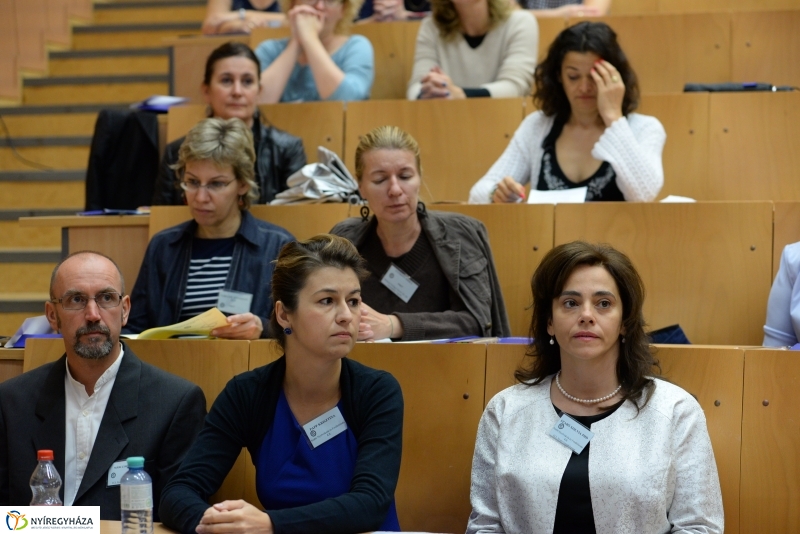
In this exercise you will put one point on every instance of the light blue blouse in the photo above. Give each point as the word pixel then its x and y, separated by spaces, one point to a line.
pixel 355 58
pixel 783 309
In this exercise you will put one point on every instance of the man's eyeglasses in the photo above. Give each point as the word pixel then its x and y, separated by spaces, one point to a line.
pixel 78 301
pixel 193 186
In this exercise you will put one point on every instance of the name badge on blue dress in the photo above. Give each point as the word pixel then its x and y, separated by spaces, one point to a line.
pixel 325 427
pixel 571 433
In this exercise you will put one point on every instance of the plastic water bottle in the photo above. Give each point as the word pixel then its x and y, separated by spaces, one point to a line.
pixel 136 498
pixel 45 481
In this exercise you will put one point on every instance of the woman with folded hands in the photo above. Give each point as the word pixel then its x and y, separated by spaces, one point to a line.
pixel 323 431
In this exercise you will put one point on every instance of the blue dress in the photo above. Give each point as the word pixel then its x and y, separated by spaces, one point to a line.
pixel 289 473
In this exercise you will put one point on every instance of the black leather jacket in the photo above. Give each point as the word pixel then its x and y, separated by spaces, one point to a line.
pixel 278 156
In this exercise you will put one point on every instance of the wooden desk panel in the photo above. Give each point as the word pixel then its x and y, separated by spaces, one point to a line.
pixel 754 147
pixel 443 394
pixel 699 262
pixel 393 44
pixel 302 221
pixel 459 139
pixel 669 50
pixel 765 46
pixel 520 235
pixel 685 157
pixel 770 495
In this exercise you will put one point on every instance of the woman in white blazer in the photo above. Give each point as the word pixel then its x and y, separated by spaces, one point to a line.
pixel 647 468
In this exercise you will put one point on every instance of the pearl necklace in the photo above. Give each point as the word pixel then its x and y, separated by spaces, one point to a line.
pixel 585 401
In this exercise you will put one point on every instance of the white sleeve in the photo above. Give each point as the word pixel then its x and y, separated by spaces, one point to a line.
pixel 485 516
pixel 515 75
pixel 779 330
pixel 634 155
pixel 426 56
pixel 697 502
pixel 516 161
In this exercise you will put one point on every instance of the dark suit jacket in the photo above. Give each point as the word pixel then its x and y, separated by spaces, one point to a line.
pixel 150 413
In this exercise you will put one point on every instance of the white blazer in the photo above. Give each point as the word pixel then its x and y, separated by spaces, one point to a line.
pixel 648 473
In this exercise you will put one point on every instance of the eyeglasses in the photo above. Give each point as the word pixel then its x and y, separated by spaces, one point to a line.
pixel 328 3
pixel 78 301
pixel 213 188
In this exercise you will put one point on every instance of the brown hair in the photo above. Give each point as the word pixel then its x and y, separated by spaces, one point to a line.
pixel 385 137
pixel 597 37
pixel 298 260
pixel 225 142
pixel 446 18
pixel 636 361
pixel 226 50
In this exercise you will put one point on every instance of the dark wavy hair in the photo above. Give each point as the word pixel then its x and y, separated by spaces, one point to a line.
pixel 298 260
pixel 224 51
pixel 636 363
pixel 597 37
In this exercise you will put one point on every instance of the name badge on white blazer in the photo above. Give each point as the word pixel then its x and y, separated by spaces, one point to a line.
pixel 571 433
pixel 399 283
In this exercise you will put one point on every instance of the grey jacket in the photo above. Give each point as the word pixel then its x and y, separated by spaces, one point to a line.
pixel 462 249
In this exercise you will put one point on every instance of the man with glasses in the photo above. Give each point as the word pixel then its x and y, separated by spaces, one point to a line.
pixel 98 404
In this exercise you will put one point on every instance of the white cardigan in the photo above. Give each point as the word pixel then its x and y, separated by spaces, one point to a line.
pixel 632 145
pixel 648 473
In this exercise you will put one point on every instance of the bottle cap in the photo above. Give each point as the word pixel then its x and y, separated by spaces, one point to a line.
pixel 135 462
pixel 44 455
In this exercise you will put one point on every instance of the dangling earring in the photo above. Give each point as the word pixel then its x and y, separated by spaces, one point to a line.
pixel 241 201
pixel 623 339
pixel 552 341
pixel 209 111
pixel 287 331
pixel 364 213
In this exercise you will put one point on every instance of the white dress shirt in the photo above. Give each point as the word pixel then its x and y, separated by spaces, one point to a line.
pixel 83 417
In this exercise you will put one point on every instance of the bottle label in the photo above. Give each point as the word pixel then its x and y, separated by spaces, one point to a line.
pixel 138 497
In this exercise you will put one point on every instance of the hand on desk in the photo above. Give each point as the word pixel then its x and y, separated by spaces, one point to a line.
pixel 240 326
pixel 375 325
pixel 234 516
pixel 508 190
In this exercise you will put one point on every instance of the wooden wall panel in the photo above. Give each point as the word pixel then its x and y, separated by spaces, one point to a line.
pixel 786 230
pixel 698 261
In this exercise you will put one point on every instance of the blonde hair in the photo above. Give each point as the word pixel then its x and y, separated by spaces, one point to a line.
pixel 446 18
pixel 350 9
pixel 385 137
pixel 225 142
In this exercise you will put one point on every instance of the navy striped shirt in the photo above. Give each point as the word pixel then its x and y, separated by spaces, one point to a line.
pixel 208 271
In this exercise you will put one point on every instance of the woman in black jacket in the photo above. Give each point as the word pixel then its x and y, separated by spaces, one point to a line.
pixel 230 86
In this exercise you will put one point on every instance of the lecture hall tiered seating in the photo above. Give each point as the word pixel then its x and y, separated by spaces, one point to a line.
pixel 707 266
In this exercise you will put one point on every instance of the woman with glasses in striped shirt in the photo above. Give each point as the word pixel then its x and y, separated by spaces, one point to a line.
pixel 223 248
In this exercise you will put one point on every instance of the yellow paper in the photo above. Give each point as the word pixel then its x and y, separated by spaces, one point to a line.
pixel 200 325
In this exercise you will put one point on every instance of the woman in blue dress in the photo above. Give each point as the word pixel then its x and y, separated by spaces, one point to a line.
pixel 324 432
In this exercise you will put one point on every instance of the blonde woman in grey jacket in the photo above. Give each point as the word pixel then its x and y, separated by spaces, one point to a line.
pixel 589 441
pixel 432 275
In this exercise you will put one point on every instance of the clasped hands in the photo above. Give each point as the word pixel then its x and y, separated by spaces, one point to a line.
pixel 437 84
pixel 305 21
pixel 234 516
